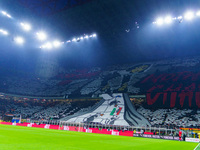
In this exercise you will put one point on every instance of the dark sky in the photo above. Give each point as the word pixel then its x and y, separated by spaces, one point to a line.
pixel 109 19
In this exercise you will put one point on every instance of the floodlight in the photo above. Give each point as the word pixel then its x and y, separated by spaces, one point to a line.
pixel 9 16
pixel 160 21
pixel 168 19
pixel 3 32
pixel 6 14
pixel 68 41
pixel 81 38
pixel 19 40
pixel 43 46
pixel 56 43
pixel 91 35
pixel 48 45
pixel 3 12
pixel 179 17
pixel 189 15
pixel 74 40
pixel 86 37
pixel 41 36
pixel 198 13
pixel 94 35
pixel 26 26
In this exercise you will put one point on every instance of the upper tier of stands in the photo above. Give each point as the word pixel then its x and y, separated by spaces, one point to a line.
pixel 153 77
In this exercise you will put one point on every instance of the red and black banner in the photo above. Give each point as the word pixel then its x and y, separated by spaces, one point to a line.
pixel 181 89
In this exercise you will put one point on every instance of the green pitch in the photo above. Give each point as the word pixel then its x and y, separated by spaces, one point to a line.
pixel 24 138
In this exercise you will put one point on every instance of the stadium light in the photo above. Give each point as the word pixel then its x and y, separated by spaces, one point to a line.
pixel 74 39
pixel 68 41
pixel 198 13
pixel 174 18
pixel 189 15
pixel 6 14
pixel 3 12
pixel 47 46
pixel 26 26
pixel 57 44
pixel 168 19
pixel 41 36
pixel 94 35
pixel 3 32
pixel 9 16
pixel 179 17
pixel 159 21
pixel 86 37
pixel 19 40
pixel 81 38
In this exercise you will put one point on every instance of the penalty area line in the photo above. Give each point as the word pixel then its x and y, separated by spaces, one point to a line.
pixel 196 147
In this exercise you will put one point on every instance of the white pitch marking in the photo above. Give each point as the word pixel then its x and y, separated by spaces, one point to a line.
pixel 196 147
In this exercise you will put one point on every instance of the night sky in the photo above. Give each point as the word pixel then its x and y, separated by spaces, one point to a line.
pixel 108 19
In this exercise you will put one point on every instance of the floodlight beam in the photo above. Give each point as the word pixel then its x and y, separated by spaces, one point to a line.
pixel 19 40
pixel 160 21
pixel 189 15
pixel 41 36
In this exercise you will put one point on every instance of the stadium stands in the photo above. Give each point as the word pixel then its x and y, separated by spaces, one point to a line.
pixel 133 79
pixel 87 112
pixel 170 86
pixel 172 118
pixel 43 110
pixel 114 109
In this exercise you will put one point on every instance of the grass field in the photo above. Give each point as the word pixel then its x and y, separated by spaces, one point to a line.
pixel 24 138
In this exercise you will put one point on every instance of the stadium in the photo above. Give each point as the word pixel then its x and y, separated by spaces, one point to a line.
pixel 99 74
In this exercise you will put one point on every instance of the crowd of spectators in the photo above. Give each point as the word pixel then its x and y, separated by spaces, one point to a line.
pixel 43 110
pixel 88 82
pixel 55 110
pixel 171 118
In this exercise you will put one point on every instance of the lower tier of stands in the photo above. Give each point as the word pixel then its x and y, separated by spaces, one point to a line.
pixel 110 111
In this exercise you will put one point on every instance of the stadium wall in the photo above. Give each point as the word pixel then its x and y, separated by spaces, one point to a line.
pixel 72 128
pixel 96 130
